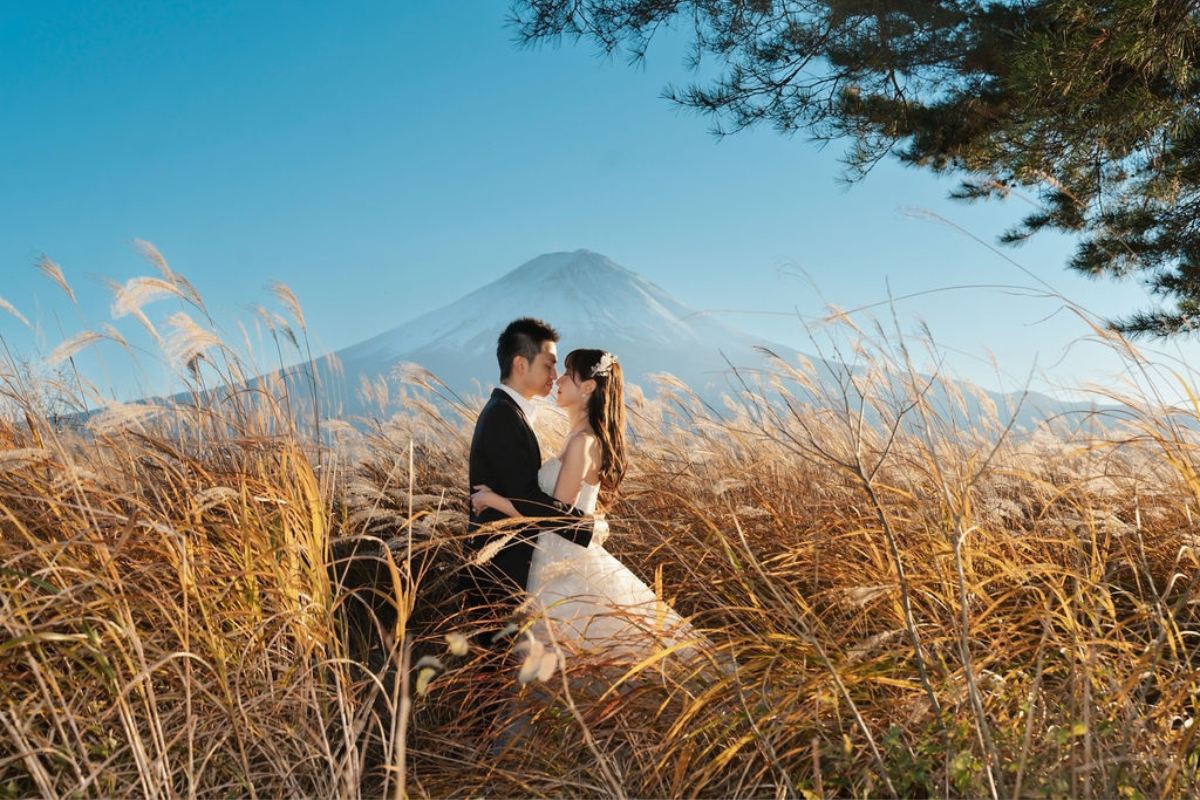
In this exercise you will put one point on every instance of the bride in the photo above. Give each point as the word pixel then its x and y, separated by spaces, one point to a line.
pixel 582 597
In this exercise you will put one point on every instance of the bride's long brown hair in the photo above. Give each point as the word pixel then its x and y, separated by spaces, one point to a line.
pixel 605 410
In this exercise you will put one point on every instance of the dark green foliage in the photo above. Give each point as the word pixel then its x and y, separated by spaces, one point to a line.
pixel 1091 107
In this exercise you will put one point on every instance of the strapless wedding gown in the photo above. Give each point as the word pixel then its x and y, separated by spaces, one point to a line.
pixel 585 599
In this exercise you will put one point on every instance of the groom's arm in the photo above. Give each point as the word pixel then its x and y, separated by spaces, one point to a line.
pixel 512 464
pixel 506 450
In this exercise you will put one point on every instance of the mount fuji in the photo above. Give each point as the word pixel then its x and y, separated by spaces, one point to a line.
pixel 591 301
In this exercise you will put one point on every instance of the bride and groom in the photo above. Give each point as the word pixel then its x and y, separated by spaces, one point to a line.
pixel 551 561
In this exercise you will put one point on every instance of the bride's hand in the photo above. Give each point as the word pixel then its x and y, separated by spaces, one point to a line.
pixel 600 530
pixel 478 503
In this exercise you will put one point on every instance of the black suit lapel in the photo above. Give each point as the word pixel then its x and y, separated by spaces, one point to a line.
pixel 508 398
pixel 529 432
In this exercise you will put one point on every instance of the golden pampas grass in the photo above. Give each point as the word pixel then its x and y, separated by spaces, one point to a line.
pixel 151 254
pixel 212 497
pixel 181 284
pixel 286 327
pixel 138 292
pixel 286 296
pixel 275 323
pixel 116 416
pixel 54 272
pixel 7 306
pixel 119 294
pixel 20 457
pixel 187 340
pixel 69 347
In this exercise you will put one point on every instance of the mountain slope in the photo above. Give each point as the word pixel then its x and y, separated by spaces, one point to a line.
pixel 590 300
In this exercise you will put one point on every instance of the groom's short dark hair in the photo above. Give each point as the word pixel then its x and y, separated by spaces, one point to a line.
pixel 523 337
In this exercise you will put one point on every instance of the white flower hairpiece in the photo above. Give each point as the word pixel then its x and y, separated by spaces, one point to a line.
pixel 604 365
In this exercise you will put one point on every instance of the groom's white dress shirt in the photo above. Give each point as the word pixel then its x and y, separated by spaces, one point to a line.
pixel 527 407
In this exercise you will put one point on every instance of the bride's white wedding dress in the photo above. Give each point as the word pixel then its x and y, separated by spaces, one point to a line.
pixel 585 599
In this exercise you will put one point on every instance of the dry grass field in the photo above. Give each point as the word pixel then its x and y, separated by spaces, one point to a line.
pixel 209 598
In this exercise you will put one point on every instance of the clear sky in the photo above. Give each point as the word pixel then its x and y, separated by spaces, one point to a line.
pixel 384 158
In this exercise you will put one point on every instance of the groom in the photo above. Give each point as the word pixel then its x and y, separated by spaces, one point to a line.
pixel 505 455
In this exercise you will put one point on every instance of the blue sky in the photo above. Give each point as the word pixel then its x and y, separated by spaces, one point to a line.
pixel 384 158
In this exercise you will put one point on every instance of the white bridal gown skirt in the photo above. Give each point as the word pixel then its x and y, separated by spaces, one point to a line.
pixel 585 599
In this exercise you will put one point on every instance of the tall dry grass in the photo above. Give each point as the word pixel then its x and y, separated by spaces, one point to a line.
pixel 208 597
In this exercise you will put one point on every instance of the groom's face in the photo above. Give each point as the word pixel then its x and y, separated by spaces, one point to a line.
pixel 538 378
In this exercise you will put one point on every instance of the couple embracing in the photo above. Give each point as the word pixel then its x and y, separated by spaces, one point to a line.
pixel 552 563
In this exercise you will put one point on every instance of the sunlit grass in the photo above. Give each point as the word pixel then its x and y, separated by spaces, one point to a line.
pixel 221 594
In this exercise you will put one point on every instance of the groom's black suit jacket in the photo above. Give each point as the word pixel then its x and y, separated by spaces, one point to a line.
pixel 505 456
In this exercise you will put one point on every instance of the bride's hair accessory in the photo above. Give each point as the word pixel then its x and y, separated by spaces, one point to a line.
pixel 604 366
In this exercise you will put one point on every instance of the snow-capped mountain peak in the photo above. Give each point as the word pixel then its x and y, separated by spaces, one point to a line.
pixel 575 265
pixel 591 300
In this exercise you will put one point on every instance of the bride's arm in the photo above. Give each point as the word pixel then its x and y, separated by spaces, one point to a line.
pixel 484 497
pixel 580 455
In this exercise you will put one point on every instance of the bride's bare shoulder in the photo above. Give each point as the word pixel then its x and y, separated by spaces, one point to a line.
pixel 584 444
